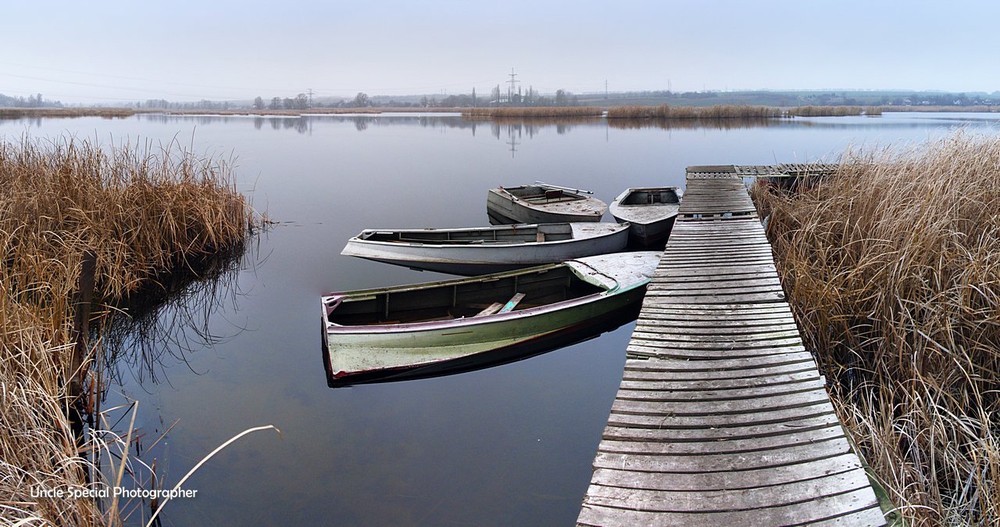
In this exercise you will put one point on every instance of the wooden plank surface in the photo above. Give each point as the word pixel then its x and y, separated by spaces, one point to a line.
pixel 722 417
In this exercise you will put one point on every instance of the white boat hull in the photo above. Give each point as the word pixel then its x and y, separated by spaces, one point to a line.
pixel 488 256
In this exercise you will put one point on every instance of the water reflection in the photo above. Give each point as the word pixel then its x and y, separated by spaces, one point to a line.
pixel 303 124
pixel 690 124
pixel 141 339
pixel 499 357
pixel 161 325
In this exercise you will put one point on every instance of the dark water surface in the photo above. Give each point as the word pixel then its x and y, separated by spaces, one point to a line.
pixel 510 445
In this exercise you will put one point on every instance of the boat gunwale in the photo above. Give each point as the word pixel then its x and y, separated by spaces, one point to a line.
pixel 331 301
pixel 463 322
pixel 617 229
pixel 441 367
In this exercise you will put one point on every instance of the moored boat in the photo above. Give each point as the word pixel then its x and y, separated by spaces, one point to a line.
pixel 542 203
pixel 424 329
pixel 650 212
pixel 480 250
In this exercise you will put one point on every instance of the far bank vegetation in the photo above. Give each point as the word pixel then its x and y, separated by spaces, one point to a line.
pixel 668 112
pixel 733 112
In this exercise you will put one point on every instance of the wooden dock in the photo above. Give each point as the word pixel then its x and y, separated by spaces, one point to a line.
pixel 722 417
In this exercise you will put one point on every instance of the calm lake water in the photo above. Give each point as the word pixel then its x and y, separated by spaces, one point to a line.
pixel 510 445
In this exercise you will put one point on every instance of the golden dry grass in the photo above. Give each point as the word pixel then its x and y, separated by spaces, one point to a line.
pixel 144 212
pixel 892 266
pixel 720 112
pixel 669 112
pixel 832 111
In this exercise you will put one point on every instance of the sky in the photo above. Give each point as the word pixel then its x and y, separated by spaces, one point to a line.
pixel 104 52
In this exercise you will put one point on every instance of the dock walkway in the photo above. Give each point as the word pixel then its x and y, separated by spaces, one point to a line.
pixel 722 417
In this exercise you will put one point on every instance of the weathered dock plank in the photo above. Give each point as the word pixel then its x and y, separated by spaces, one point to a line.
pixel 721 380
pixel 747 479
pixel 722 417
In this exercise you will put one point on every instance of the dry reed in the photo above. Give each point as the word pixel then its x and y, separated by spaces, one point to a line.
pixel 732 111
pixel 668 112
pixel 892 266
pixel 144 213
pixel 832 111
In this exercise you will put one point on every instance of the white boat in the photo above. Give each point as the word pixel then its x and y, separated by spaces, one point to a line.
pixel 480 250
pixel 431 328
pixel 650 212
pixel 542 203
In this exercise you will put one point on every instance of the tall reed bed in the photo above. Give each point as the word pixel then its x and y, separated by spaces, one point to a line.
pixel 832 111
pixel 144 212
pixel 892 266
pixel 532 112
pixel 733 111
pixel 666 111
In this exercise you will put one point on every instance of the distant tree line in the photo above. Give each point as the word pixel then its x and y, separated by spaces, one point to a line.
pixel 464 100
pixel 32 101
pixel 794 98
pixel 531 97
pixel 299 102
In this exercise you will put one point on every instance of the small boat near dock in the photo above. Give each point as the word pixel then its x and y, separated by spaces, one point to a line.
pixel 542 203
pixel 481 250
pixel 650 211
pixel 433 328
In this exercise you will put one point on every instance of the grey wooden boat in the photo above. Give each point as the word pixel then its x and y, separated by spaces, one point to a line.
pixel 480 250
pixel 542 203
pixel 650 212
pixel 430 328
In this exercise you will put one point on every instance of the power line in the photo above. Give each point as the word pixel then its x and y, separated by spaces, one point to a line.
pixel 104 86
pixel 512 82
pixel 120 77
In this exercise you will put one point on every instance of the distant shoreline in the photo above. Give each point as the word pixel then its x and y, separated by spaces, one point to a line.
pixel 15 113
pixel 18 113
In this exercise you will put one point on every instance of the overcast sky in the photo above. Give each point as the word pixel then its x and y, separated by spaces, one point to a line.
pixel 187 50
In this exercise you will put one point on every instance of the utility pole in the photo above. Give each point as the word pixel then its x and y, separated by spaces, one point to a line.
pixel 510 90
pixel 310 92
pixel 605 89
